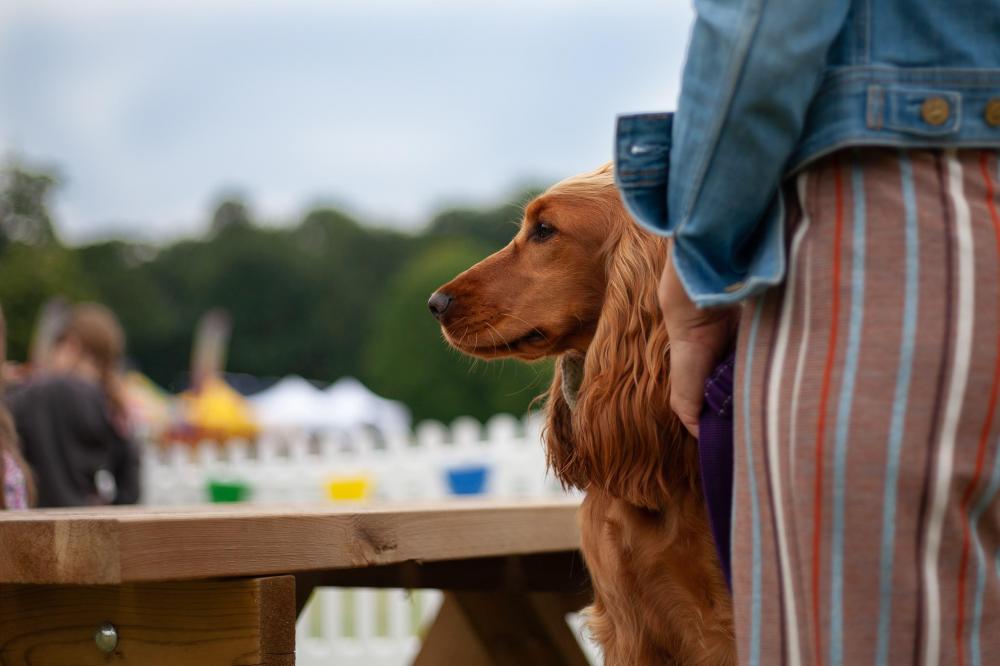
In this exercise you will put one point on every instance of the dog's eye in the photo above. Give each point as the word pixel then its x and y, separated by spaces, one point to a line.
pixel 544 231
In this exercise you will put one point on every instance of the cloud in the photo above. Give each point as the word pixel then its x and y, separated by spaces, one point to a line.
pixel 152 108
pixel 74 9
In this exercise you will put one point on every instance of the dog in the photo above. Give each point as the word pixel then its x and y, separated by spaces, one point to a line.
pixel 578 281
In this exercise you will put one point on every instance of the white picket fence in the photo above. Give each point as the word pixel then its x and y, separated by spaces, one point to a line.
pixel 364 627
pixel 296 466
pixel 361 627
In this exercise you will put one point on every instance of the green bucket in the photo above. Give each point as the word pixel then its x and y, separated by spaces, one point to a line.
pixel 228 491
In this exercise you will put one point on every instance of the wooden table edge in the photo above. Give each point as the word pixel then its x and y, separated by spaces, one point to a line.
pixel 140 545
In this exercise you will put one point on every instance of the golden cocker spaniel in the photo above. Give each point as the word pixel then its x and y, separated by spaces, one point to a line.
pixel 579 281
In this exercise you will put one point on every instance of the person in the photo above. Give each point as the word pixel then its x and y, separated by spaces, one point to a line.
pixel 71 418
pixel 17 488
pixel 830 183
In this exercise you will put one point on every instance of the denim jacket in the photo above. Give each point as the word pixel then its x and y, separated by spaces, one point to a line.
pixel 771 85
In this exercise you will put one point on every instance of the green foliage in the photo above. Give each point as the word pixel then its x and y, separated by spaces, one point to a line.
pixel 494 227
pixel 326 298
pixel 24 214
pixel 351 266
pixel 230 212
pixel 119 274
pixel 405 357
pixel 29 276
pixel 34 267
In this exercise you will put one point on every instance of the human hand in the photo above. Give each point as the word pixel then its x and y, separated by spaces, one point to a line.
pixel 698 340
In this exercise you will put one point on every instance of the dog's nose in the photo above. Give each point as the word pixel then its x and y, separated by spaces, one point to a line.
pixel 438 304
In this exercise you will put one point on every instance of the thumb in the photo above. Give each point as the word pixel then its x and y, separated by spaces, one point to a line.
pixel 690 365
pixel 687 411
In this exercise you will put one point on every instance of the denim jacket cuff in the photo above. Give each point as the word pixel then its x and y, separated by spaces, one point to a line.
pixel 708 286
pixel 642 168
pixel 642 174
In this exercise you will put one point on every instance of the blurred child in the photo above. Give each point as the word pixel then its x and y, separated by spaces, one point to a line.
pixel 13 470
pixel 71 417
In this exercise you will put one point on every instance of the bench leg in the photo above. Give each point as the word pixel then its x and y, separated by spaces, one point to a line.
pixel 239 622
pixel 503 628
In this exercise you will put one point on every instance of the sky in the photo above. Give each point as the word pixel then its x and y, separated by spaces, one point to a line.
pixel 152 110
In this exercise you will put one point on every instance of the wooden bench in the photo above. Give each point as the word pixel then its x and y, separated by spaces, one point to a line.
pixel 223 584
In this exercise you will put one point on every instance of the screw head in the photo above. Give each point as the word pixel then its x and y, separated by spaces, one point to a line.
pixel 106 638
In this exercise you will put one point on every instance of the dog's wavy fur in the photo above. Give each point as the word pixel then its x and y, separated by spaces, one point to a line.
pixel 589 290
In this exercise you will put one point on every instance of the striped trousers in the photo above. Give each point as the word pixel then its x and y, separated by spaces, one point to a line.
pixel 866 517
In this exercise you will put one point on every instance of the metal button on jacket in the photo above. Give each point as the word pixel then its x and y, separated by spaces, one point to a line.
pixel 993 112
pixel 935 110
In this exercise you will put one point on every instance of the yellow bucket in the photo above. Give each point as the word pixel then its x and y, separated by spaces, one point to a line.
pixel 349 488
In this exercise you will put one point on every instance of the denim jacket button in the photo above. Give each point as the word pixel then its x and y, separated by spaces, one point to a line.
pixel 935 111
pixel 993 112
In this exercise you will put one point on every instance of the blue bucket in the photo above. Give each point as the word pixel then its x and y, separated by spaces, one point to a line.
pixel 468 479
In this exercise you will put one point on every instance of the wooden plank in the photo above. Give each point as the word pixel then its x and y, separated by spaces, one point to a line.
pixel 452 640
pixel 503 628
pixel 244 622
pixel 50 551
pixel 550 611
pixel 127 544
pixel 546 572
pixel 543 572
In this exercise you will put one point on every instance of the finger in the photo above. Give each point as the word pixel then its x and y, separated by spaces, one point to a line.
pixel 686 400
pixel 690 366
pixel 686 411
pixel 671 295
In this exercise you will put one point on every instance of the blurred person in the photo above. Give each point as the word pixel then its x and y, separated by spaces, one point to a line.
pixel 14 473
pixel 71 417
pixel 831 178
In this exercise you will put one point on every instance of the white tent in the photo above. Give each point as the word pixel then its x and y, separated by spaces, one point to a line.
pixel 349 403
pixel 291 403
pixel 294 403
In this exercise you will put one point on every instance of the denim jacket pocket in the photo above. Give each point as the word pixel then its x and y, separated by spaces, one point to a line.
pixel 920 111
pixel 642 167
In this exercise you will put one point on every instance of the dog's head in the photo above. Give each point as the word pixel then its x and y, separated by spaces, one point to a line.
pixel 579 280
pixel 542 294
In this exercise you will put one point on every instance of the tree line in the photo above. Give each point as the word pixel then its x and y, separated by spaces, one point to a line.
pixel 323 298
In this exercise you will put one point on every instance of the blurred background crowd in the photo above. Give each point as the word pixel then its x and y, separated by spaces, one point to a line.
pixel 322 323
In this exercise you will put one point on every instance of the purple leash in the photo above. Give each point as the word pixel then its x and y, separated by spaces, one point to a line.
pixel 715 455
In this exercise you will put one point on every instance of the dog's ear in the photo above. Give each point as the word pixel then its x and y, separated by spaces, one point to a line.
pixel 626 438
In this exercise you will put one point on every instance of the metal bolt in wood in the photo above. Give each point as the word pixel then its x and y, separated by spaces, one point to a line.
pixel 106 638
